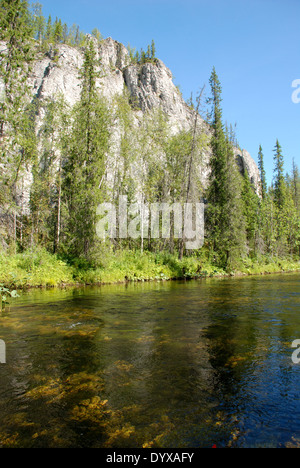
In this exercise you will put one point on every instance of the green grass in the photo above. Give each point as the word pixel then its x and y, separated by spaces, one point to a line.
pixel 34 268
pixel 270 265
pixel 38 268
pixel 133 266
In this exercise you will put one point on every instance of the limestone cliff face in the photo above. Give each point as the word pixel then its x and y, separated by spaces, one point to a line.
pixel 150 86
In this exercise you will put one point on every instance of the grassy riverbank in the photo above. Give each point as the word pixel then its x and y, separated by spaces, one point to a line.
pixel 39 268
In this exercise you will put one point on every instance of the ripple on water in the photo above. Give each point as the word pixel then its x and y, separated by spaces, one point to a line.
pixel 169 365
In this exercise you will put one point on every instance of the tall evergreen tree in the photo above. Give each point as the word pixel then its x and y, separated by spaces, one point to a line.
pixel 279 179
pixel 38 22
pixel 235 237
pixel 58 31
pixel 45 197
pixel 251 207
pixel 77 36
pixel 17 140
pixel 65 35
pixel 262 171
pixel 267 225
pixel 127 152
pixel 153 50
pixel 225 219
pixel 16 32
pixel 85 169
pixel 217 196
pixel 296 185
pixel 49 30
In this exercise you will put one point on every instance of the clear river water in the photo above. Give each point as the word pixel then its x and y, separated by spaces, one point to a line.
pixel 166 364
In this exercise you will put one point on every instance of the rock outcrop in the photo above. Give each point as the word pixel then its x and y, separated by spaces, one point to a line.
pixel 150 86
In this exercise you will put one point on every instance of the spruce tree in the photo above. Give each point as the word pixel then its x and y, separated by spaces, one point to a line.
pixel 285 208
pixel 279 179
pixel 268 225
pixel 234 236
pixel 251 207
pixel 45 198
pixel 217 195
pixel 123 180
pixel 83 186
pixel 58 31
pixel 148 53
pixel 153 50
pixel 38 22
pixel 296 186
pixel 65 35
pixel 218 167
pixel 77 36
pixel 262 171
pixel 49 30
pixel 16 33
pixel 17 140
pixel 225 219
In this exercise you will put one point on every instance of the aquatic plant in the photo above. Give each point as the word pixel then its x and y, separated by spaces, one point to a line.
pixel 6 294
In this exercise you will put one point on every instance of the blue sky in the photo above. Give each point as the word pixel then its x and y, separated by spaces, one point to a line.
pixel 253 44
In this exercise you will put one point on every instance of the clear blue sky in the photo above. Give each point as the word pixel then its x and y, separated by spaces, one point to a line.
pixel 253 44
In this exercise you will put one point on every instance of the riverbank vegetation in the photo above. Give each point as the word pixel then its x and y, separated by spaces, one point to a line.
pixel 39 268
pixel 74 166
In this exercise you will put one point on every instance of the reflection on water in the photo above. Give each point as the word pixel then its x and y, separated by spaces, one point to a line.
pixel 177 364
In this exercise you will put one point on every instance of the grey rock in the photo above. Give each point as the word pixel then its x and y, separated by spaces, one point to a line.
pixel 150 86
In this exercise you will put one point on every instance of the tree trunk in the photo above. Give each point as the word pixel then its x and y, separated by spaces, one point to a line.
pixel 57 240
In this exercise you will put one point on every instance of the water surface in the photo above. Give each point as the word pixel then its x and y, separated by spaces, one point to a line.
pixel 175 364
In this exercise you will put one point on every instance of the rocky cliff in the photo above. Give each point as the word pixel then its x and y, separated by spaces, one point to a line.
pixel 150 86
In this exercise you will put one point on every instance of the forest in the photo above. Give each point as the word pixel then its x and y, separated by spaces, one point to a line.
pixel 248 229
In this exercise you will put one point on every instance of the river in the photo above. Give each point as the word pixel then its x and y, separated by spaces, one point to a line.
pixel 165 364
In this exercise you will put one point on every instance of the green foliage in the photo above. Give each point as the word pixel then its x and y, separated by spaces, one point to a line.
pixel 6 294
pixel 47 32
pixel 38 22
pixel 124 183
pixel 225 217
pixel 97 34
pixel 16 32
pixel 126 265
pixel 68 159
pixel 58 31
pixel 279 181
pixel 262 171
pixel 39 268
pixel 218 167
pixel 250 211
pixel 45 196
pixel 84 170
pixel 33 267
pixel 143 57
pixel 295 186
pixel 17 136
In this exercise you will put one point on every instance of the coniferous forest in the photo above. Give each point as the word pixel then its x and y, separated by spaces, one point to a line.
pixel 248 229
